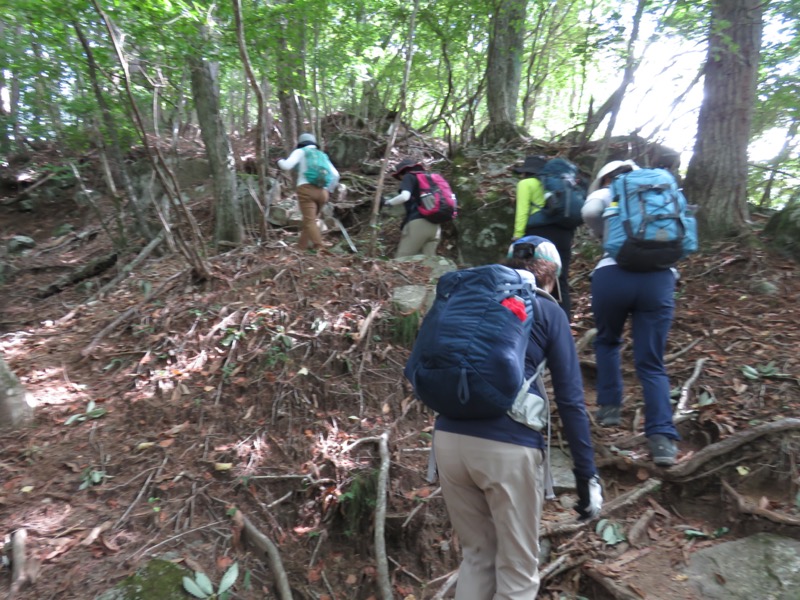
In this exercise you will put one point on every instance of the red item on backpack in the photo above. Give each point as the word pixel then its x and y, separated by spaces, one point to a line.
pixel 517 306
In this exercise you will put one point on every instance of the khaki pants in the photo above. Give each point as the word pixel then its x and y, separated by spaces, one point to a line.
pixel 311 199
pixel 419 236
pixel 494 493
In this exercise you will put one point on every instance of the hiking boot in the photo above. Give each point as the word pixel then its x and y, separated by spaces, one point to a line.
pixel 609 415
pixel 663 450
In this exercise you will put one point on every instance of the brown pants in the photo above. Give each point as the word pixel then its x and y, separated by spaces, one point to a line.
pixel 311 199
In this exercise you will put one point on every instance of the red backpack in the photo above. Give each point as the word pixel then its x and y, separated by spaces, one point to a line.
pixel 437 203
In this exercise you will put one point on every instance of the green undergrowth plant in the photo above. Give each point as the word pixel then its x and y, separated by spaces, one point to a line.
pixel 404 328
pixel 202 587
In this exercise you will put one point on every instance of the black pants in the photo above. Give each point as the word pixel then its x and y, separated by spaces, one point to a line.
pixel 562 240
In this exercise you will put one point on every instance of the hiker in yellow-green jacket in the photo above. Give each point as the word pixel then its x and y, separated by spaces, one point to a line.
pixel 529 203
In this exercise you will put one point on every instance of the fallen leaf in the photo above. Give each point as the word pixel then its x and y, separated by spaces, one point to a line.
pixel 166 443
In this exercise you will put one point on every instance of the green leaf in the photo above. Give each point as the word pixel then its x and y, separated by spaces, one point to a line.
pixel 750 372
pixel 74 418
pixel 190 586
pixel 694 533
pixel 705 399
pixel 204 583
pixel 96 413
pixel 612 534
pixel 230 577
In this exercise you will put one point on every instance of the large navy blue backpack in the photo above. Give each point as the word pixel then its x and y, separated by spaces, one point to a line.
pixel 649 226
pixel 468 361
pixel 564 192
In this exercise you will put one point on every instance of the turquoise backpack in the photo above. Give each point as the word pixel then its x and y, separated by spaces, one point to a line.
pixel 319 170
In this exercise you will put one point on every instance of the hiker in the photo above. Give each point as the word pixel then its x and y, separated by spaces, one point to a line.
pixel 311 197
pixel 492 470
pixel 648 297
pixel 530 219
pixel 419 234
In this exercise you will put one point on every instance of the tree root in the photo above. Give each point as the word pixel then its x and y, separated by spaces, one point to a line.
pixel 622 501
pixel 747 507
pixel 609 585
pixel 23 569
pixel 682 471
pixel 268 547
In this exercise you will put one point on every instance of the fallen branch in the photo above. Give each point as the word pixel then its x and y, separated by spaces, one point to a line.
pixel 418 507
pixel 609 585
pixel 586 339
pixel 747 507
pixel 266 545
pixel 384 581
pixel 87 351
pixel 670 357
pixel 451 580
pixel 727 445
pixel 622 501
pixel 126 270
pixel 29 189
pixel 23 571
pixel 684 397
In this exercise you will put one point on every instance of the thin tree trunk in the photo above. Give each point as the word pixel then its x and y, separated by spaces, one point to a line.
pixel 117 165
pixel 262 148
pixel 631 63
pixel 228 216
pixel 786 151
pixel 376 202
pixel 190 251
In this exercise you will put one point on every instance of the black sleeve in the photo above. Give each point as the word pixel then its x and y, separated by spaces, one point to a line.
pixel 409 184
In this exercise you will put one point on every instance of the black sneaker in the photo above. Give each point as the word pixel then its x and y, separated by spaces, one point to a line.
pixel 609 415
pixel 663 450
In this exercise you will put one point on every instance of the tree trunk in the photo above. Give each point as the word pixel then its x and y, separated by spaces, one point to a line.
pixel 784 227
pixel 117 164
pixel 716 178
pixel 205 91
pixel 14 407
pixel 504 70
pixel 262 148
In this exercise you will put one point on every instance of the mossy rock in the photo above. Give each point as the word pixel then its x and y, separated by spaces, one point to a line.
pixel 158 580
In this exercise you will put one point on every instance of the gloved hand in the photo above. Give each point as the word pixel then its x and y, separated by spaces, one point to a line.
pixel 384 200
pixel 590 497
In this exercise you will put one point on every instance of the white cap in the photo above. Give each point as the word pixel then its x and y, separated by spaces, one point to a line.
pixel 610 168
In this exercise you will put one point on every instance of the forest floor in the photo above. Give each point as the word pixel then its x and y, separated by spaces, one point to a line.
pixel 204 422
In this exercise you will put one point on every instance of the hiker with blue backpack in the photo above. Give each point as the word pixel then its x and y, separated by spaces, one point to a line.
pixel 548 204
pixel 317 178
pixel 429 201
pixel 646 227
pixel 478 362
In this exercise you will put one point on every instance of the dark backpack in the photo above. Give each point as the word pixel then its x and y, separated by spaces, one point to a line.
pixel 437 203
pixel 564 192
pixel 649 226
pixel 468 361
pixel 319 171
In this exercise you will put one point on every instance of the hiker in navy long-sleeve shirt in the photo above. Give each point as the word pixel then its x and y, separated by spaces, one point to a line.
pixel 492 470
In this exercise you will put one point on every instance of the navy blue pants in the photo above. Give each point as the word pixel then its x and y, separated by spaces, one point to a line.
pixel 649 299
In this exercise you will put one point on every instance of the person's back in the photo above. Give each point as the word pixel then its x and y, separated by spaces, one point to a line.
pixel 417 234
pixel 492 470
pixel 649 299
pixel 311 197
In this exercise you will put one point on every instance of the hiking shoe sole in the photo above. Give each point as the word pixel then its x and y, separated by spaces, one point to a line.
pixel 663 450
pixel 609 415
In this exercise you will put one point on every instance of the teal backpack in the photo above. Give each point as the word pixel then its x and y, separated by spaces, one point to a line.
pixel 319 170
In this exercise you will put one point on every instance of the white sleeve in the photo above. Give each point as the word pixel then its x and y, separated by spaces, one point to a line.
pixel 287 164
pixel 402 197
pixel 592 211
